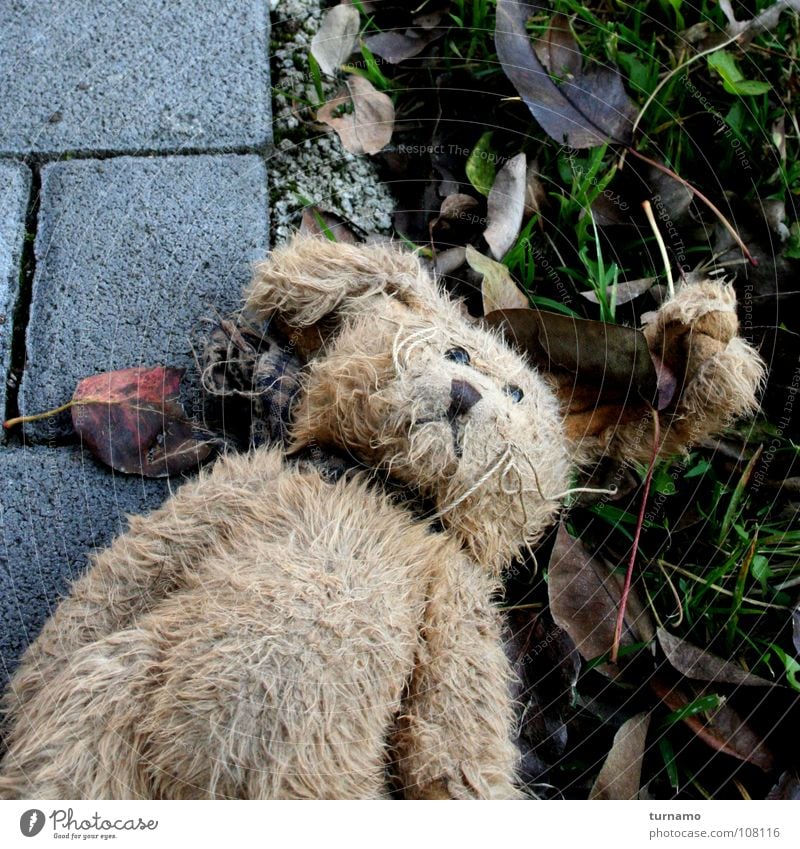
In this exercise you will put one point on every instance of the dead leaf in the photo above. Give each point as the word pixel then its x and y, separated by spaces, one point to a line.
pixel 608 355
pixel 773 212
pixel 368 127
pixel 546 668
pixel 315 222
pixel 450 260
pixel 535 194
pixel 623 292
pixel 584 600
pixel 778 135
pixel 621 774
pixel 429 20
pixel 558 51
pixel 666 381
pixel 498 289
pixel 669 198
pixel 585 110
pixel 725 731
pixel 336 38
pixel 796 630
pixel 506 205
pixel 132 421
pixel 456 205
pixel 762 22
pixel 394 46
pixel 696 663
pixel 787 787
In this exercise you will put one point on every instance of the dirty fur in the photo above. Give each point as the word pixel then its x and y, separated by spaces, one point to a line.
pixel 269 634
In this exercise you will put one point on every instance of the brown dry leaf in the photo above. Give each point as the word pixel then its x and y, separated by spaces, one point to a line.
pixel 625 291
pixel 585 109
pixel 132 421
pixel 787 787
pixel 535 194
pixel 448 261
pixel 498 288
pixel 455 205
pixel 620 776
pixel 316 221
pixel 763 22
pixel 546 668
pixel 584 600
pixel 666 380
pixel 725 731
pixel 336 38
pixel 368 127
pixel 558 51
pixel 608 355
pixel 700 665
pixel 394 46
pixel 506 205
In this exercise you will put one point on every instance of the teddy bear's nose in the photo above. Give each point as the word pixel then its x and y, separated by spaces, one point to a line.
pixel 463 397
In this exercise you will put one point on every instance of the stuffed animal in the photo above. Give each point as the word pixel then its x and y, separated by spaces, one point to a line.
pixel 275 632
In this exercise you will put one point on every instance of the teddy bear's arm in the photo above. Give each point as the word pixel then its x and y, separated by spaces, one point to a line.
pixel 454 737
pixel 718 376
pixel 142 567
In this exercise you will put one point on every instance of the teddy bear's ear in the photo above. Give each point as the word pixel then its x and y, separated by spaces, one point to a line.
pixel 311 278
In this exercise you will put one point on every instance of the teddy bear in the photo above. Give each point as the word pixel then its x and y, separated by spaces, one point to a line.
pixel 275 632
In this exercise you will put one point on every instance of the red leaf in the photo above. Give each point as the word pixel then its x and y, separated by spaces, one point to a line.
pixel 132 421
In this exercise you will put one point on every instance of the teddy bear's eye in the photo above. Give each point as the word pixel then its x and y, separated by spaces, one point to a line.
pixel 458 355
pixel 514 392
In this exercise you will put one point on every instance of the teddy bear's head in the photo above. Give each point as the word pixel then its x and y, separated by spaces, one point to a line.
pixel 404 380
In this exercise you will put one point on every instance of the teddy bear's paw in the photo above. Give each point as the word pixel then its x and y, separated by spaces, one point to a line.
pixel 718 374
pixel 252 377
pixel 468 784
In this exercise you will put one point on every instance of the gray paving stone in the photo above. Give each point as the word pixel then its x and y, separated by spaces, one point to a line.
pixel 15 183
pixel 131 254
pixel 117 76
pixel 57 506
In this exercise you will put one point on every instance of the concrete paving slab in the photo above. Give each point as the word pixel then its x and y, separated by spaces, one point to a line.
pixel 58 505
pixel 114 76
pixel 15 183
pixel 131 254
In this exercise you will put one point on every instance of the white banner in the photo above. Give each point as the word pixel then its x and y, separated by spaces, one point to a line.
pixel 404 825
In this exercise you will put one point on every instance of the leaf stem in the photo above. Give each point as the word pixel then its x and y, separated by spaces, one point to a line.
pixel 648 211
pixel 695 191
pixel 9 423
pixel 623 602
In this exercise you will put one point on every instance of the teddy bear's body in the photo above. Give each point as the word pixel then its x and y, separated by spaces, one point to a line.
pixel 269 633
pixel 264 653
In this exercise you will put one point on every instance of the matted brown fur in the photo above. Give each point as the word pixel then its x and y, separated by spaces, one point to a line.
pixel 268 634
